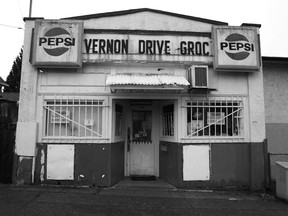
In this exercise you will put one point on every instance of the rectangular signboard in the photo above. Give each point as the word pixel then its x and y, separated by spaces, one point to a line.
pixel 236 48
pixel 57 43
pixel 140 47
pixel 126 44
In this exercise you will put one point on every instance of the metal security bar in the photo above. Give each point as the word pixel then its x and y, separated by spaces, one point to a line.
pixel 168 121
pixel 119 120
pixel 215 118
pixel 73 119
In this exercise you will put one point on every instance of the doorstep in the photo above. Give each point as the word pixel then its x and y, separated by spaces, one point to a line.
pixel 153 183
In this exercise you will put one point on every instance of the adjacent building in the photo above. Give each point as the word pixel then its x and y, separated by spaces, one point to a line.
pixel 141 92
pixel 8 121
pixel 275 78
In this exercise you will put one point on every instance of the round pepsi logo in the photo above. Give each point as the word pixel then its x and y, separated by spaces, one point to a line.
pixel 237 47
pixel 56 41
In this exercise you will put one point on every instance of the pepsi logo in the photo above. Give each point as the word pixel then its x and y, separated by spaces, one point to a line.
pixel 237 47
pixel 56 41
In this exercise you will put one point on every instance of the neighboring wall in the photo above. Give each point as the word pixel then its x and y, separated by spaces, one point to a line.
pixel 275 72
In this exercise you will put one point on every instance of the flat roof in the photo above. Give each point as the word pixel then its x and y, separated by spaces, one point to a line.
pixel 274 59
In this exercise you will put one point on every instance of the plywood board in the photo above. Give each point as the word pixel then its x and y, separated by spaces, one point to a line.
pixel 196 162
pixel 60 162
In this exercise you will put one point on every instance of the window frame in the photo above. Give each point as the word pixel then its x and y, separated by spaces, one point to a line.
pixel 74 101
pixel 175 119
pixel 170 132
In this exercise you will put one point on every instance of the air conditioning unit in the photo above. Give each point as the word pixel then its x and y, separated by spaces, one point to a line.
pixel 198 76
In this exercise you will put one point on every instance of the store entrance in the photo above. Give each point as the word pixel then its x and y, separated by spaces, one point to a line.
pixel 142 138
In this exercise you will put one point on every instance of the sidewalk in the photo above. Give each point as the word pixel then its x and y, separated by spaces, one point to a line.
pixel 60 200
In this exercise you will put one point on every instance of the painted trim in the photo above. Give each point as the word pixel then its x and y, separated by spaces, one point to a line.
pixel 145 32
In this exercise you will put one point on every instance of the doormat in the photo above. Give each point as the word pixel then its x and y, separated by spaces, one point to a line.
pixel 143 178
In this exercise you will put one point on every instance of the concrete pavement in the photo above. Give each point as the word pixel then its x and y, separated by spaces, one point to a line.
pixel 61 200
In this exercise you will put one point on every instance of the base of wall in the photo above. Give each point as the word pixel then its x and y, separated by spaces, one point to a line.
pixel 100 165
pixel 23 170
pixel 232 166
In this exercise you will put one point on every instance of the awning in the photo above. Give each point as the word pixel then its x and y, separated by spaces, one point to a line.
pixel 148 81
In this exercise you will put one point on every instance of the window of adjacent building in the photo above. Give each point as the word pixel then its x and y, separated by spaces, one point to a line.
pixel 168 120
pixel 215 118
pixel 71 119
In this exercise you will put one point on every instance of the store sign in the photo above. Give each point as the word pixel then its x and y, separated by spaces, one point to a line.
pixel 99 47
pixel 58 43
pixel 236 48
pixel 152 46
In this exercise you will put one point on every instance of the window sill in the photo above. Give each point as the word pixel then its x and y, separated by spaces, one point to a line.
pixel 211 139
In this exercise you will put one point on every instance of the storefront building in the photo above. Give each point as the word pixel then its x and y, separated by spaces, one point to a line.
pixel 141 93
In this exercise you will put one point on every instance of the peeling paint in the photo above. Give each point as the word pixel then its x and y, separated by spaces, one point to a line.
pixel 24 171
pixel 42 161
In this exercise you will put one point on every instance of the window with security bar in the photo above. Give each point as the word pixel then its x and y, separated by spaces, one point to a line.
pixel 119 120
pixel 168 121
pixel 218 118
pixel 70 119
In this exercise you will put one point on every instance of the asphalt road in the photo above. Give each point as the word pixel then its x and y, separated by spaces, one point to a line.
pixel 48 200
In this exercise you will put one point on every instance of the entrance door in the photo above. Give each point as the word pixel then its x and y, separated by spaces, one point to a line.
pixel 141 142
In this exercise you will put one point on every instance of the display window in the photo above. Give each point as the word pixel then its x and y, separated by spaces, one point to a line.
pixel 215 118
pixel 68 119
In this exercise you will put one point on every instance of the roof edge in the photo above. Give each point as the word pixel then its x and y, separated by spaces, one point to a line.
pixel 278 59
pixel 31 18
pixel 251 25
pixel 9 96
pixel 132 11
pixel 2 82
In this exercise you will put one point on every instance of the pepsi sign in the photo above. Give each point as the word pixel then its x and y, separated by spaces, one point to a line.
pixel 236 48
pixel 58 43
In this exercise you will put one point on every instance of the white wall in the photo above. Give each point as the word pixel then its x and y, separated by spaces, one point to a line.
pixel 148 21
pixel 26 127
pixel 256 104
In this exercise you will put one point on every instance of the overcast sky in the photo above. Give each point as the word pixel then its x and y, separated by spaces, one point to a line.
pixel 271 14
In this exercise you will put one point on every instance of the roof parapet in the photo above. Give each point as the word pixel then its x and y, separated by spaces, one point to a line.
pixel 251 25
